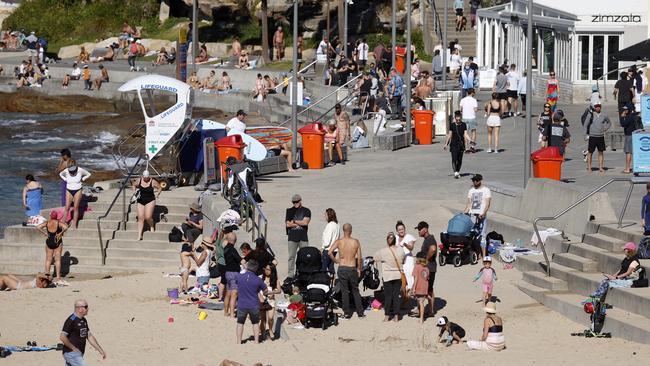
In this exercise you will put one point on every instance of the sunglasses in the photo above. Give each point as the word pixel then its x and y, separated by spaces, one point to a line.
pixel 294 202
pixel 82 306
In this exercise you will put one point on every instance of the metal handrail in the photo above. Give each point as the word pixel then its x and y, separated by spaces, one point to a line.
pixel 322 99
pixel 641 65
pixel 120 157
pixel 573 205
pixel 437 28
pixel 343 102
pixel 256 209
pixel 110 207
pixel 291 77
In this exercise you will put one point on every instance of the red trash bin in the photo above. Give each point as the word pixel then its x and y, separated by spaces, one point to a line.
pixel 227 147
pixel 547 163
pixel 423 121
pixel 313 138
pixel 400 59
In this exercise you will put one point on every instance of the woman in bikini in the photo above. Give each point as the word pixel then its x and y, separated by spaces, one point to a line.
pixel 148 189
pixel 74 178
pixel 53 231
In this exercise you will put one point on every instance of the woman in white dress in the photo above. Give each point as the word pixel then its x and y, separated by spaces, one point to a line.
pixel 454 63
pixel 407 243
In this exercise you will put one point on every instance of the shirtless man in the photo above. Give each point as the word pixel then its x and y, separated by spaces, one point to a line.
pixel 349 261
pixel 278 44
pixel 236 47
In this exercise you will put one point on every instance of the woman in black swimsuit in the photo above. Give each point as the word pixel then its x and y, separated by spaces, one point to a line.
pixel 53 230
pixel 149 189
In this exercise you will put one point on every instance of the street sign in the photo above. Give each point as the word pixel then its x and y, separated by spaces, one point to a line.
pixel 641 152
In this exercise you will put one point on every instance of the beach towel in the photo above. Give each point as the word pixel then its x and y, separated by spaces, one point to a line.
pixel 211 306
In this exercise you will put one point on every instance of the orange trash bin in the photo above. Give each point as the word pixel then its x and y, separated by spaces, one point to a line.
pixel 313 138
pixel 547 163
pixel 227 147
pixel 400 59
pixel 423 121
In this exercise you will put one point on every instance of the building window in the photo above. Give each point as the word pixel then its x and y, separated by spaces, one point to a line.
pixel 583 57
pixel 612 48
pixel 535 55
pixel 548 49
pixel 597 69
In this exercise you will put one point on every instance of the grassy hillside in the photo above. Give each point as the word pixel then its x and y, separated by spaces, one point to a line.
pixel 65 22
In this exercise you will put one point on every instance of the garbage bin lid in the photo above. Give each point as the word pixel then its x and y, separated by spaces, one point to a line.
pixel 315 128
pixel 547 152
pixel 235 141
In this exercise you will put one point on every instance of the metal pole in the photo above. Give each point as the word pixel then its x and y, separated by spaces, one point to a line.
pixel 294 83
pixel 195 33
pixel 327 31
pixel 394 34
pixel 345 34
pixel 408 66
pixel 444 47
pixel 529 94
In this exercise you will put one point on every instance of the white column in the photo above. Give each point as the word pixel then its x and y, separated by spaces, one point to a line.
pixel 479 41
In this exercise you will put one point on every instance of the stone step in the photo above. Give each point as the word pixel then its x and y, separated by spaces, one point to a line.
pixel 575 262
pixel 131 216
pixel 621 323
pixel 629 233
pixel 145 253
pixel 541 280
pixel 607 261
pixel 164 265
pixel 32 268
pixel 604 242
pixel 71 254
pixel 144 244
pixel 101 206
pixel 158 235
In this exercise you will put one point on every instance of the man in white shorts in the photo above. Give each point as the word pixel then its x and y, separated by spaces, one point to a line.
pixel 468 107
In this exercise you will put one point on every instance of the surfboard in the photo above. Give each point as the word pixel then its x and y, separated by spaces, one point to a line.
pixel 270 135
pixel 209 125
pixel 254 150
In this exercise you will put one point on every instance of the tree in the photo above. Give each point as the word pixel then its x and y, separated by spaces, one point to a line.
pixel 265 32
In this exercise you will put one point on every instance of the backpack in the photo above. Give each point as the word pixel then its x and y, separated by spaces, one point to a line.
pixel 370 275
pixel 589 111
pixel 644 248
pixel 176 235
pixel 133 49
pixel 43 42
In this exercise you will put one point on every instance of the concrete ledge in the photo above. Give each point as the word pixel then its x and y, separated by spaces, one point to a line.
pixel 391 141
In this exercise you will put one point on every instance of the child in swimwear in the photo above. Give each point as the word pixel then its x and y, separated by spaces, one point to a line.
pixel 489 276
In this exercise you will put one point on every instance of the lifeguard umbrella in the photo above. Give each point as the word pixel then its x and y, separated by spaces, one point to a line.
pixel 637 52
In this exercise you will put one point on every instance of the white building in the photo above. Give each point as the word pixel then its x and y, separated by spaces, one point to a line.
pixel 574 38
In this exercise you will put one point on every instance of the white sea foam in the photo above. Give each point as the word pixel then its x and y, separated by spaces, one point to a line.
pixel 106 137
pixel 19 121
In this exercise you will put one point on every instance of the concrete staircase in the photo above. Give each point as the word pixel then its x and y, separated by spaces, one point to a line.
pixel 22 249
pixel 466 38
pixel 576 270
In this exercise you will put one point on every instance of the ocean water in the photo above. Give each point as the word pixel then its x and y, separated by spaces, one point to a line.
pixel 30 145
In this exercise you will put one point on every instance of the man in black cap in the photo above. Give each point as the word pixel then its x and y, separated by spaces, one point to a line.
pixel 556 134
pixel 237 123
pixel 629 123
pixel 430 249
pixel 478 204
pixel 297 222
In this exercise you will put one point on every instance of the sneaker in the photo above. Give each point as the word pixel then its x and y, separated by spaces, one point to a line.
pixel 488 151
pixel 456 175
pixel 361 315
pixel 496 151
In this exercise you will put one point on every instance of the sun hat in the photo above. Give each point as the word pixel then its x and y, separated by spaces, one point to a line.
pixel 195 207
pixel 487 258
pixel 442 321
pixel 629 246
pixel 208 242
pixel 490 308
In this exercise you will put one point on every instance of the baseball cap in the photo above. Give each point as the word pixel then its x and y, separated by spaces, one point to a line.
pixel 421 225
pixel 487 258
pixel 296 198
pixel 597 104
pixel 442 321
pixel 594 88
pixel 241 113
pixel 477 178
pixel 629 246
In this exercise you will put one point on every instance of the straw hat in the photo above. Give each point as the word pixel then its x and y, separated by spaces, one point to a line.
pixel 490 308
pixel 195 207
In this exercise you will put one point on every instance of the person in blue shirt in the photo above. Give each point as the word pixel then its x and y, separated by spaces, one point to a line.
pixel 396 91
pixel 466 79
pixel 645 211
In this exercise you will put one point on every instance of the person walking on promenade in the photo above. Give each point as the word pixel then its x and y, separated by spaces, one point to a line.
pixel 349 261
pixel 493 122
pixel 630 123
pixel 457 140
pixel 595 128
pixel 392 261
pixel 468 108
pixel 74 335
pixel 552 91
pixel 479 198
pixel 297 223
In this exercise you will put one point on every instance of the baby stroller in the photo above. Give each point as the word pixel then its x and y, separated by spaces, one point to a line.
pixel 460 243
pixel 319 305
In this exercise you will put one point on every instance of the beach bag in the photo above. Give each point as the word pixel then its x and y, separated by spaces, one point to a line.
pixel 136 196
pixel 644 248
pixel 371 278
pixel 459 225
pixel 176 235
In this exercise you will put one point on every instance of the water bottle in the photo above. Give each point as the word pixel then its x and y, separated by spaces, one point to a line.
pixel 519 243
